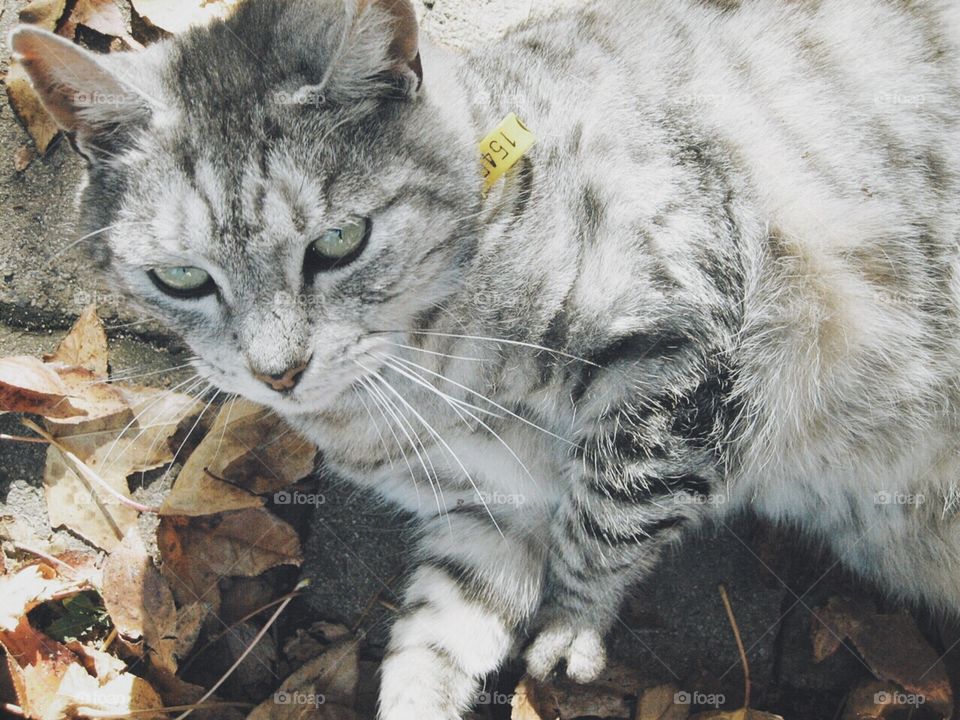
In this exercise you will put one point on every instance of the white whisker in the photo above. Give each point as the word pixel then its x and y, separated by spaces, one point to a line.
pixel 439 439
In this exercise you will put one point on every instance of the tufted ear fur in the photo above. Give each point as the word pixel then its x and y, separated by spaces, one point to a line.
pixel 83 97
pixel 405 48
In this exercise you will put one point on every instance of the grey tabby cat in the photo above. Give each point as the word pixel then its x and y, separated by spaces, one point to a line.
pixel 728 269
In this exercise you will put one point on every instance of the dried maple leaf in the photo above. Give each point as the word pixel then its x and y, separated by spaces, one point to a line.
pixel 524 703
pixel 892 647
pixel 607 696
pixel 24 101
pixel 101 15
pixel 84 346
pixel 125 695
pixel 37 665
pixel 101 665
pixel 248 450
pixel 27 385
pixel 660 703
pixel 43 13
pixel 325 687
pixel 28 108
pixel 140 602
pixel 197 552
pixel 111 447
pixel 24 590
pixel 741 714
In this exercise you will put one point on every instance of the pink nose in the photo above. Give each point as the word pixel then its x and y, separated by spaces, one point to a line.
pixel 283 381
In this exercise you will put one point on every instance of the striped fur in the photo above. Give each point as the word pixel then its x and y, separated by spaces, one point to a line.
pixel 725 277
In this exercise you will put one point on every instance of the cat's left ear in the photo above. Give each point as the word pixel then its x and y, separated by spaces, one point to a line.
pixel 84 98
pixel 405 47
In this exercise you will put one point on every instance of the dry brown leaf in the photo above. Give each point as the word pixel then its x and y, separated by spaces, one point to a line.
pixel 176 691
pixel 324 688
pixel 873 700
pixel 22 158
pixel 660 703
pixel 189 622
pixel 249 448
pixel 741 714
pixel 607 697
pixel 84 346
pixel 101 665
pixel 73 501
pixel 79 694
pixel 113 447
pixel 36 664
pixel 524 703
pixel 893 648
pixel 43 13
pixel 89 393
pixel 27 385
pixel 29 109
pixel 175 16
pixel 101 15
pixel 197 552
pixel 310 642
pixel 24 590
pixel 139 601
pixel 190 579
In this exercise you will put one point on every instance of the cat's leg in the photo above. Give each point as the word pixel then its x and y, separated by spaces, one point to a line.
pixel 641 477
pixel 476 586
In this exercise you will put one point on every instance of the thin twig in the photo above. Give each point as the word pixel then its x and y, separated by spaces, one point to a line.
pixel 171 708
pixel 232 626
pixel 46 556
pixel 243 655
pixel 23 438
pixel 743 653
pixel 86 471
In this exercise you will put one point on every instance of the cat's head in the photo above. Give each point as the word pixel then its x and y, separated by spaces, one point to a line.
pixel 279 188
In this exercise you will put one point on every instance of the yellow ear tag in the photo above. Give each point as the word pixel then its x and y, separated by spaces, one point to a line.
pixel 503 148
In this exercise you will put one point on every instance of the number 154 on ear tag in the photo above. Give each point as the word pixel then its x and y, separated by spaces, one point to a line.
pixel 503 148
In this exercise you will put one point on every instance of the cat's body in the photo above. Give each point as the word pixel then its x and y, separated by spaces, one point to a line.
pixel 726 276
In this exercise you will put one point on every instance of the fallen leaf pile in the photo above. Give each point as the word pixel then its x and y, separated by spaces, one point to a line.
pixel 105 632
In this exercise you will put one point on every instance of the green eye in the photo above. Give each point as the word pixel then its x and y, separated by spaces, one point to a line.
pixel 183 281
pixel 338 246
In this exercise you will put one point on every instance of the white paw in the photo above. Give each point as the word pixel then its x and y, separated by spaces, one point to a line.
pixel 582 648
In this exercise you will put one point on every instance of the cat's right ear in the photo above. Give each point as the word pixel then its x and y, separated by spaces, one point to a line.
pixel 84 98
pixel 405 45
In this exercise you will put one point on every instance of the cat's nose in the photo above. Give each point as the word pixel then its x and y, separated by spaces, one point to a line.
pixel 285 380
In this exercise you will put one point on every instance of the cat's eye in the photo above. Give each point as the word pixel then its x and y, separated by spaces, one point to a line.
pixel 338 246
pixel 184 282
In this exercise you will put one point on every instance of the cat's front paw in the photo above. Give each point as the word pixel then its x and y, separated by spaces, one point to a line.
pixel 581 647
pixel 416 684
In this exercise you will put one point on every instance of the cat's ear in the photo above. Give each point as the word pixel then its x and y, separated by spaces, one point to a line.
pixel 405 47
pixel 84 98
